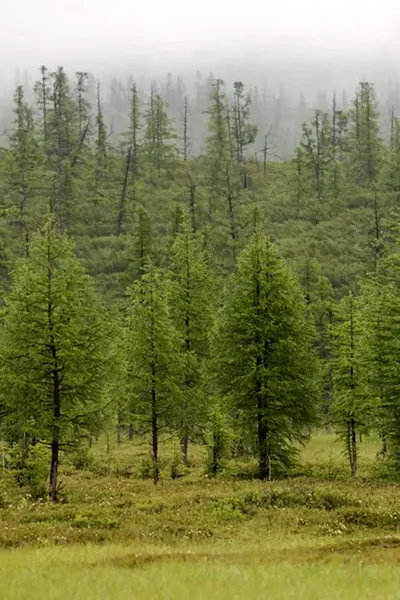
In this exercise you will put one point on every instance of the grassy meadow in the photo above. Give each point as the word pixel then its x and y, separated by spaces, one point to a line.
pixel 114 535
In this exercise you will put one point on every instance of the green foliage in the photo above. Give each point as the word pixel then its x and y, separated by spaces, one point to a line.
pixel 265 364
pixel 349 411
pixel 381 349
pixel 191 302
pixel 28 465
pixel 109 171
pixel 154 362
pixel 57 351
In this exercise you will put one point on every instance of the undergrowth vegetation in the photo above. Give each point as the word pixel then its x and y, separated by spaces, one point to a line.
pixel 110 497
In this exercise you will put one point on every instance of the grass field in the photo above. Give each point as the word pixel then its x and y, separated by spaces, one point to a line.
pixel 116 536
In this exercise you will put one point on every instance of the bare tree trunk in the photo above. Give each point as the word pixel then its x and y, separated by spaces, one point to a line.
pixel 121 209
pixel 353 448
pixel 184 449
pixel 56 400
pixel 192 206
pixel 154 430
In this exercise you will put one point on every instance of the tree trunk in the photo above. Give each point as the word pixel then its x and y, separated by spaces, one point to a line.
pixel 353 448
pixel 120 426
pixel 262 435
pixel 184 449
pixel 130 432
pixel 55 452
pixel 216 452
pixel 121 208
pixel 154 431
pixel 56 392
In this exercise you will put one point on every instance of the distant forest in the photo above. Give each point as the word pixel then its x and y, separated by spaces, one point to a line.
pixel 276 110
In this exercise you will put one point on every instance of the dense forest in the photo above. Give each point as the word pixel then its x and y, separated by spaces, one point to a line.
pixel 223 292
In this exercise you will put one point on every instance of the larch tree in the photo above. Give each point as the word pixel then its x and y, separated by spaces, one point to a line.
pixel 381 306
pixel 365 144
pixel 153 351
pixel 349 407
pixel 22 167
pixel 263 355
pixel 159 150
pixel 190 309
pixel 316 145
pixel 222 177
pixel 57 350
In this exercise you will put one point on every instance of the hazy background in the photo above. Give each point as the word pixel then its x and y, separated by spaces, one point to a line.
pixel 295 52
pixel 304 38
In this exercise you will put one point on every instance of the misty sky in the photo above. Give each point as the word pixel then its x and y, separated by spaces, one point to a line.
pixel 55 31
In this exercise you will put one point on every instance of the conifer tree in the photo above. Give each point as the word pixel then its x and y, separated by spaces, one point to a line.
pixel 381 306
pixel 223 180
pixel 316 144
pixel 158 149
pixel 153 349
pixel 190 309
pixel 56 362
pixel 349 408
pixel 22 166
pixel 133 133
pixel 319 298
pixel 365 145
pixel 83 105
pixel 263 354
pixel 142 243
pixel 245 132
pixel 43 100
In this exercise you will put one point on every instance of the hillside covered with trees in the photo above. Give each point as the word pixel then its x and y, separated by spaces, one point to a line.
pixel 153 288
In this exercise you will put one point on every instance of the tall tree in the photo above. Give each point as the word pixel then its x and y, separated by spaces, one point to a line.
pixel 22 167
pixel 56 361
pixel 190 309
pixel 159 149
pixel 365 144
pixel 153 358
pixel 263 354
pixel 349 408
pixel 245 132
pixel 316 144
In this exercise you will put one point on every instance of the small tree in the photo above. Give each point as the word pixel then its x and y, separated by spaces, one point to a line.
pixel 190 309
pixel 348 411
pixel 263 354
pixel 380 344
pixel 55 365
pixel 153 358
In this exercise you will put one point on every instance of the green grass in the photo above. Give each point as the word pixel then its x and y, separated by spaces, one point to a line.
pixel 318 534
pixel 118 573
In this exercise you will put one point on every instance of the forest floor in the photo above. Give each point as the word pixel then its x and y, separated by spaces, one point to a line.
pixel 116 536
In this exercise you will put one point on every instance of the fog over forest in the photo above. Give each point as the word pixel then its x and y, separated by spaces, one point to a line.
pixel 284 40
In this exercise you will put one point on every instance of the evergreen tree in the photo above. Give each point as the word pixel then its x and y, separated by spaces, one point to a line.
pixel 245 132
pixel 22 167
pixel 190 309
pixel 349 408
pixel 56 362
pixel 223 179
pixel 263 354
pixel 158 149
pixel 365 145
pixel 316 145
pixel 153 349
pixel 381 306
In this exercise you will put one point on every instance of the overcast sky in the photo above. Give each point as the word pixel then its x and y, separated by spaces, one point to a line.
pixel 55 31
